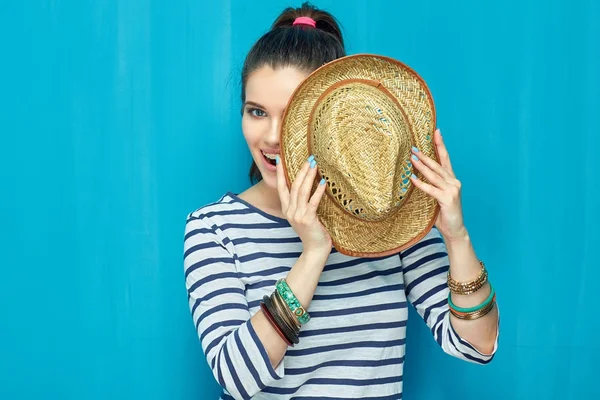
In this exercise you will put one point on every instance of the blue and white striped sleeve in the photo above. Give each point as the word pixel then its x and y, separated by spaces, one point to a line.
pixel 425 267
pixel 219 308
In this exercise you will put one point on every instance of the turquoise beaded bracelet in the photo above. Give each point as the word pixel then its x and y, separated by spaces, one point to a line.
pixel 472 309
pixel 292 302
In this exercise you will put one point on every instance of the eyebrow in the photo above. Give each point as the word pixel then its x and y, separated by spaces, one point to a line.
pixel 251 103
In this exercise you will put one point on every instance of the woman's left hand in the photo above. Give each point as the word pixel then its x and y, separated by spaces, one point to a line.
pixel 443 186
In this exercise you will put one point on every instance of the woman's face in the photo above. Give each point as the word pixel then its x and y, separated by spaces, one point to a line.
pixel 267 94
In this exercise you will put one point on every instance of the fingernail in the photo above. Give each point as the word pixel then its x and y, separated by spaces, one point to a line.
pixel 313 163
pixel 415 149
pixel 322 182
pixel 414 176
pixel 277 159
pixel 311 158
pixel 415 158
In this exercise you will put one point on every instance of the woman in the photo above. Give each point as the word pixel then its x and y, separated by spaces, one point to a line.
pixel 243 247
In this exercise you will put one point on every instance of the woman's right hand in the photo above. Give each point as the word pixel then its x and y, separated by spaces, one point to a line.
pixel 300 208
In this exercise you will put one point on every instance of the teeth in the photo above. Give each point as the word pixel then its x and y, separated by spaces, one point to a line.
pixel 270 156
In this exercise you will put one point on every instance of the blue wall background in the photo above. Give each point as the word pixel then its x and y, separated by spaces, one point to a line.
pixel 117 118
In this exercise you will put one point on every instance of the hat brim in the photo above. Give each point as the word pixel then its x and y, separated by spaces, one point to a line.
pixel 415 218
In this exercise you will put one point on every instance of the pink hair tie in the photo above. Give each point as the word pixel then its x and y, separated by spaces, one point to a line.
pixel 305 21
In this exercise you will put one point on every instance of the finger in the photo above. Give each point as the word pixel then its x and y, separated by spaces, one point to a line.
pixel 296 186
pixel 443 152
pixel 427 188
pixel 430 175
pixel 282 189
pixel 432 164
pixel 307 185
pixel 313 204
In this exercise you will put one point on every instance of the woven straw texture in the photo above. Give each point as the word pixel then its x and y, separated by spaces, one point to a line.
pixel 359 116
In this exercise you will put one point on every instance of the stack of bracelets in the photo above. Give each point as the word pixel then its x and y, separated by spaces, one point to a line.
pixel 469 288
pixel 285 313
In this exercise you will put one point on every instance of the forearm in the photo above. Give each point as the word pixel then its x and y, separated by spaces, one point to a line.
pixel 302 279
pixel 464 267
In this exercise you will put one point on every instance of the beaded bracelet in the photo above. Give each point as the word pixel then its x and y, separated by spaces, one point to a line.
pixel 466 288
pixel 292 302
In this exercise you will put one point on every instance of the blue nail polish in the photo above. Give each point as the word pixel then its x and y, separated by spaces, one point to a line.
pixel 414 176
pixel 415 158
pixel 311 158
pixel 313 163
pixel 415 149
pixel 277 159
pixel 322 182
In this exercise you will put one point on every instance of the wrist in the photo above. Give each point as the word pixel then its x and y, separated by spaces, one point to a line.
pixel 459 246
pixel 461 237
pixel 316 255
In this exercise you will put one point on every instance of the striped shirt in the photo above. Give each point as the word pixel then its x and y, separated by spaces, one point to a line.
pixel 352 348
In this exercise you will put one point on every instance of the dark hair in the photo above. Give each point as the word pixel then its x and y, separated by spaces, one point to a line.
pixel 299 46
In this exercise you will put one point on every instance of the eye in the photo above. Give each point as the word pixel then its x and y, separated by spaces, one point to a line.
pixel 256 112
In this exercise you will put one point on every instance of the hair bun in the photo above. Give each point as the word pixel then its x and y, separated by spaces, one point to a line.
pixel 324 21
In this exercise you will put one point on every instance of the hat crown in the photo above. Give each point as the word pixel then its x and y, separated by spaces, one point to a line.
pixel 362 145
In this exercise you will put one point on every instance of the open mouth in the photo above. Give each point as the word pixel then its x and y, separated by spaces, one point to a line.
pixel 270 157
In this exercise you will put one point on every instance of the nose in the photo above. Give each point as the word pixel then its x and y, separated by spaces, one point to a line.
pixel 272 136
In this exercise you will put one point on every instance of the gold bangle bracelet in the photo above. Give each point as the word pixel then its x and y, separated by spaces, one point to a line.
pixel 475 314
pixel 288 331
pixel 287 314
pixel 466 288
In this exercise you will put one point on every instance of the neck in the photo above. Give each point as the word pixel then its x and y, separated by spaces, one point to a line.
pixel 269 199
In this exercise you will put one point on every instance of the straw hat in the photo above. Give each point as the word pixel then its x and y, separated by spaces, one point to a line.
pixel 360 116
